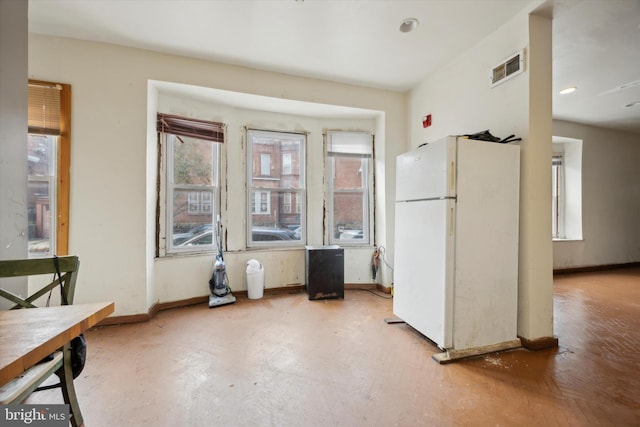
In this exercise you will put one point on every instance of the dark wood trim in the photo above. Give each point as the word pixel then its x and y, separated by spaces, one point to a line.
pixel 539 343
pixel 348 286
pixel 121 320
pixel 176 304
pixel 385 289
pixel 160 306
pixel 154 310
pixel 291 289
pixel 587 269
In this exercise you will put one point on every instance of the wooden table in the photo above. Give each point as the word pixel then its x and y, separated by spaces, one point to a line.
pixel 28 335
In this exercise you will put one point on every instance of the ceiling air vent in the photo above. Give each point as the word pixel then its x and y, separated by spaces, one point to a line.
pixel 511 67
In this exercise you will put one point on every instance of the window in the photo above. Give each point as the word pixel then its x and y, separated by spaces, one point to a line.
pixel 270 196
pixel 192 153
pixel 286 203
pixel 261 202
pixel 194 205
pixel 349 163
pixel 206 202
pixel 41 192
pixel 48 157
pixel 265 164
pixel 200 202
pixel 557 209
pixel 286 164
pixel 566 178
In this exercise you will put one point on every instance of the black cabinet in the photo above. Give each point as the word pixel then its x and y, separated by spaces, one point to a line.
pixel 324 266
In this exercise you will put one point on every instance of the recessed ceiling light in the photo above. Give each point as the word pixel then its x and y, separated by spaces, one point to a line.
pixel 633 104
pixel 408 24
pixel 568 90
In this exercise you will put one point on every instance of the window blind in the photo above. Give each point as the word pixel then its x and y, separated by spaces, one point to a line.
pixel 182 126
pixel 44 108
pixel 345 144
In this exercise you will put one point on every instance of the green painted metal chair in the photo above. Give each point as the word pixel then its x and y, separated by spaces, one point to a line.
pixel 18 389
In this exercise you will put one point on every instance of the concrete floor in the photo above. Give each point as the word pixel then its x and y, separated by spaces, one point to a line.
pixel 287 361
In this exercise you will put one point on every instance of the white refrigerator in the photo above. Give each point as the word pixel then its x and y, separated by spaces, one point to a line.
pixel 456 244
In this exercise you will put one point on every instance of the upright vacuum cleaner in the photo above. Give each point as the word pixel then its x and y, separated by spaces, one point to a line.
pixel 218 285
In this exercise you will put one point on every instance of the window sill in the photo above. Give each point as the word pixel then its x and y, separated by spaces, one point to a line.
pixel 174 255
pixel 567 240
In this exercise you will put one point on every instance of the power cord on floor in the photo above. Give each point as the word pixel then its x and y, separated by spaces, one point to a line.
pixel 370 291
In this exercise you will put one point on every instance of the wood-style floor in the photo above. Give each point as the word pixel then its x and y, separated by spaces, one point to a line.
pixel 286 361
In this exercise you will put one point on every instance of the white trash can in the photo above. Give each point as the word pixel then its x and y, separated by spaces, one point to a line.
pixel 255 279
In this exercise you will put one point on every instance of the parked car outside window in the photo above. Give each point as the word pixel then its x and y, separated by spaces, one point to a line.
pixel 179 238
pixel 205 238
pixel 259 234
pixel 265 234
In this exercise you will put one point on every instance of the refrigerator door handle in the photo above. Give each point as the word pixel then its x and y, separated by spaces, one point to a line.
pixel 452 178
pixel 452 218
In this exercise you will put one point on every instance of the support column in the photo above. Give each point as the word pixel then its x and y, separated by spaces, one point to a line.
pixel 535 299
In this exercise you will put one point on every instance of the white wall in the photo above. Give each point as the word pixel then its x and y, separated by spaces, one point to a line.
pixel 112 164
pixel 283 267
pixel 13 136
pixel 610 198
pixel 461 101
pixel 459 96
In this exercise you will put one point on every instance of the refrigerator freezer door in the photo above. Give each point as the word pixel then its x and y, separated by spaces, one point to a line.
pixel 423 282
pixel 428 172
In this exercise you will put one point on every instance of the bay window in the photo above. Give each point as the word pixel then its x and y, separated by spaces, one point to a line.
pixel 349 158
pixel 273 187
pixel 192 152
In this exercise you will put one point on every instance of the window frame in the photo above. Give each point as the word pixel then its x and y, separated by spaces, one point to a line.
pixel 367 158
pixel 62 179
pixel 558 195
pixel 276 192
pixel 569 205
pixel 168 140
pixel 169 128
